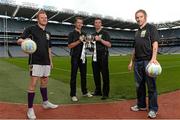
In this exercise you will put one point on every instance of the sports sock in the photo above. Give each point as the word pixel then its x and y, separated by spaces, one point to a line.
pixel 44 93
pixel 30 99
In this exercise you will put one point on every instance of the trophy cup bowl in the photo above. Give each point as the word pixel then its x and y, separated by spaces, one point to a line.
pixel 89 38
pixel 89 42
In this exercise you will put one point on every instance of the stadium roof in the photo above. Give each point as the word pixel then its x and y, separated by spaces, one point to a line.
pixel 29 11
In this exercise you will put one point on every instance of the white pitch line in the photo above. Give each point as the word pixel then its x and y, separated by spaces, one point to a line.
pixel 70 71
pixel 118 73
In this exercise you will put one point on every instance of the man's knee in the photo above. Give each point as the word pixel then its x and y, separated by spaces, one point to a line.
pixel 32 88
pixel 44 81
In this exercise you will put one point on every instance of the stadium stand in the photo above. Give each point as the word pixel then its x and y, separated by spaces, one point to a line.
pixel 61 24
pixel 16 51
pixel 60 51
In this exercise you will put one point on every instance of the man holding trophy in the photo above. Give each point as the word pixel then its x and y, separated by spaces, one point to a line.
pixel 100 60
pixel 77 44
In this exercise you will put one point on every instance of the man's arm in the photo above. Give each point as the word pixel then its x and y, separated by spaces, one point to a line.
pixel 131 63
pixel 74 44
pixel 104 42
pixel 24 35
pixel 50 57
pixel 19 41
pixel 154 53
pixel 154 39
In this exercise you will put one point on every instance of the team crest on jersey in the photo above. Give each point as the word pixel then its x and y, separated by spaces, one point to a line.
pixel 143 33
pixel 47 36
pixel 100 36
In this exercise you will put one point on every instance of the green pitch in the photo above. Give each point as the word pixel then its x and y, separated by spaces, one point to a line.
pixel 15 77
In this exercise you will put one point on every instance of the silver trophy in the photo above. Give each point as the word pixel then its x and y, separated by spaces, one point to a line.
pixel 89 42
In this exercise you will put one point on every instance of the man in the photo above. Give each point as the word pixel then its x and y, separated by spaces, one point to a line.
pixel 75 39
pixel 145 51
pixel 100 66
pixel 40 61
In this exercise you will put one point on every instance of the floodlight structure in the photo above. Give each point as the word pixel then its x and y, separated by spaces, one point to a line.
pixel 68 11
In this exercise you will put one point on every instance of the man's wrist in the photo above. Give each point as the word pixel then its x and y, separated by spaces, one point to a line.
pixel 79 41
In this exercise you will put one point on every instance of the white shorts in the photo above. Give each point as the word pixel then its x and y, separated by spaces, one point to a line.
pixel 40 70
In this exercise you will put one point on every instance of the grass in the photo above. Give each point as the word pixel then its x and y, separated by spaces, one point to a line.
pixel 14 79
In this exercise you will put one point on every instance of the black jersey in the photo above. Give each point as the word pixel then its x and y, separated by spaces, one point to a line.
pixel 105 36
pixel 72 37
pixel 144 39
pixel 43 40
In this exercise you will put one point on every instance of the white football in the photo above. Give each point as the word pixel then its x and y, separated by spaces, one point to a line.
pixel 28 46
pixel 153 70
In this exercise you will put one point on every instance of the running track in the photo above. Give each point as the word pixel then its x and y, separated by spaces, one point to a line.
pixel 169 108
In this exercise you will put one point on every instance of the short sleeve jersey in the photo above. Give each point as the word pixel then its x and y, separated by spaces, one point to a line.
pixel 72 37
pixel 144 38
pixel 42 38
pixel 105 36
